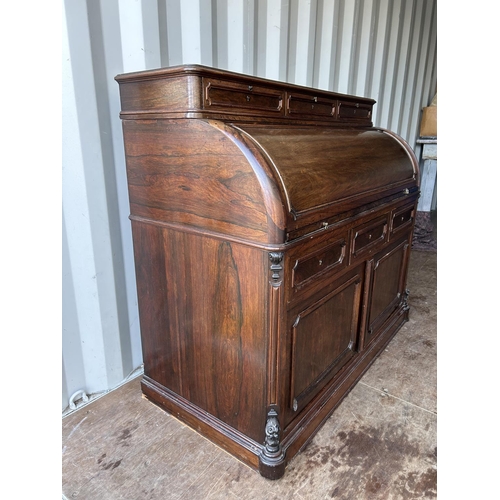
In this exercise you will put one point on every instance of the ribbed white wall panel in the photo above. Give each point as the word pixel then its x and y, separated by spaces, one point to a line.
pixel 384 49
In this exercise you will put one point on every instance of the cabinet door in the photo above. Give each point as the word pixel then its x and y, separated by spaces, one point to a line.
pixel 387 285
pixel 324 337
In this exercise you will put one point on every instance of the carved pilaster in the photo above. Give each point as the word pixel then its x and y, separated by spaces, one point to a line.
pixel 272 457
pixel 275 280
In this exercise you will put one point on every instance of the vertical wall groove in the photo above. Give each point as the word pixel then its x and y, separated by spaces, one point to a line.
pixel 383 49
pixel 118 312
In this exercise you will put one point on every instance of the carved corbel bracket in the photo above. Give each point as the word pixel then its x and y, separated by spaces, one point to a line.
pixel 276 267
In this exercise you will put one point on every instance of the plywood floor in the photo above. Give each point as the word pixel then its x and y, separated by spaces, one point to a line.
pixel 379 444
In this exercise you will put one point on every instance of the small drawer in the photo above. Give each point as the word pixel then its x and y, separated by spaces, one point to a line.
pixel 402 218
pixel 369 235
pixel 354 111
pixel 310 106
pixel 233 97
pixel 308 267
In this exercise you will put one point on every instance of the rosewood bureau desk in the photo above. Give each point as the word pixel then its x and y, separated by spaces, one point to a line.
pixel 272 226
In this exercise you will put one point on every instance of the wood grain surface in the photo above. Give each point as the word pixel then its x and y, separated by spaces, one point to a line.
pixel 272 228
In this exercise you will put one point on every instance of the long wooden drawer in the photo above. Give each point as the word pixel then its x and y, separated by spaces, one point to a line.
pixel 316 262
pixel 312 265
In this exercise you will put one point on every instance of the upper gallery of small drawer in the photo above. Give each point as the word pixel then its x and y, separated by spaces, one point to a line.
pixel 195 91
pixel 301 105
pixel 233 97
pixel 355 111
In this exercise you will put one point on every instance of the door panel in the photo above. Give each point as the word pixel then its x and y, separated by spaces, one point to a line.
pixel 324 337
pixel 387 285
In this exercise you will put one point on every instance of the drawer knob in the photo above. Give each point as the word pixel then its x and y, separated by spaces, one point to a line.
pixel 370 236
pixel 320 262
pixel 248 98
pixel 250 87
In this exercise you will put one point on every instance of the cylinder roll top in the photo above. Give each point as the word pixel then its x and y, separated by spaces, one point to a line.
pixel 255 159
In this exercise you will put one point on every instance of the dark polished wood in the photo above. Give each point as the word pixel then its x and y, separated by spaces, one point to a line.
pixel 272 226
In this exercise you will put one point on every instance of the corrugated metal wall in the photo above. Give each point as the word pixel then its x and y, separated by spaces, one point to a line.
pixel 383 49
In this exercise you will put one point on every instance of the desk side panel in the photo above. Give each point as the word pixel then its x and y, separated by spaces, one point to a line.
pixel 204 322
pixel 189 172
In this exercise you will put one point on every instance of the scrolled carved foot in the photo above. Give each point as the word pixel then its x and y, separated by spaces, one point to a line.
pixel 272 459
pixel 406 306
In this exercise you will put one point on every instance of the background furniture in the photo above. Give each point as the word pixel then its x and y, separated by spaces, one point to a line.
pixel 429 173
pixel 424 238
